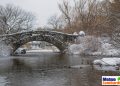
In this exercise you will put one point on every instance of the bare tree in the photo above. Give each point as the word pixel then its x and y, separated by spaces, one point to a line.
pixel 91 16
pixel 87 15
pixel 114 13
pixel 66 10
pixel 13 19
pixel 114 9
pixel 55 22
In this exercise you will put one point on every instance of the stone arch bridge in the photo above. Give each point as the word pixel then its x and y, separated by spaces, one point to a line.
pixel 58 39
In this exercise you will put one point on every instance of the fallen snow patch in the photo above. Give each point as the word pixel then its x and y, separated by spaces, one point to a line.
pixel 107 61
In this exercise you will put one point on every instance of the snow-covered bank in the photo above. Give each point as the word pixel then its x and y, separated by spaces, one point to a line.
pixel 40 50
pixel 90 45
pixel 107 61
pixel 5 50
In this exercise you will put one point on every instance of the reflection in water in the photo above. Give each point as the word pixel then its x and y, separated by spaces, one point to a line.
pixel 19 65
pixel 50 69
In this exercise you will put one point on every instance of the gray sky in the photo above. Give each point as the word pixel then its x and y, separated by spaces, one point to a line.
pixel 42 9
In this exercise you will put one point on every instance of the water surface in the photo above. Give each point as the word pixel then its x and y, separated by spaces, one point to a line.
pixel 50 69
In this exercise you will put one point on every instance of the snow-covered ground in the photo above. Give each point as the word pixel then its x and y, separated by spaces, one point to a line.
pixel 107 50
pixel 5 50
pixel 42 50
pixel 90 45
pixel 39 50
pixel 107 61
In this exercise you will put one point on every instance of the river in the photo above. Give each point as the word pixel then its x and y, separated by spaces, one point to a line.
pixel 50 69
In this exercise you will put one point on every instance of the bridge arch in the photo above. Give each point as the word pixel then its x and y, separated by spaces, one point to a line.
pixel 50 39
pixel 58 39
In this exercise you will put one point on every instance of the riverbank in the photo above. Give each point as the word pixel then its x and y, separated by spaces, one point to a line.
pixel 41 50
pixel 93 46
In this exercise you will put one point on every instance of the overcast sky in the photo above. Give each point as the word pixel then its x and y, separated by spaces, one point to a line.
pixel 42 9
